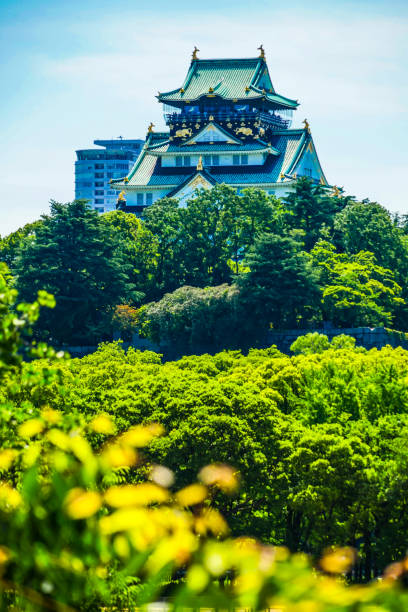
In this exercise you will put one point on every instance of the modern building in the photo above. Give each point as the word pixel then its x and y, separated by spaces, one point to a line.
pixel 94 168
pixel 226 124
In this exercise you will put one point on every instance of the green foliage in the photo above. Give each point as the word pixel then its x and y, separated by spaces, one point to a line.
pixel 74 256
pixel 356 291
pixel 195 320
pixel 90 518
pixel 281 286
pixel 317 343
pixel 312 209
pixel 11 245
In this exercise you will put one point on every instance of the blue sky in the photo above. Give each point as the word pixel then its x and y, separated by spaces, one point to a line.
pixel 73 72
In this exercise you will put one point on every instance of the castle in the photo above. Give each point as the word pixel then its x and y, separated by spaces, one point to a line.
pixel 226 124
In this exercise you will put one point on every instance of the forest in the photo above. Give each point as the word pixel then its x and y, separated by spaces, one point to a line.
pixel 217 273
pixel 234 477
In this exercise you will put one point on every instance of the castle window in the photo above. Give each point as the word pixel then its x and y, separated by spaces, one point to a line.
pixel 235 160
pixel 149 199
pixel 215 160
pixel 179 161
pixel 244 159
pixel 207 160
pixel 308 171
pixel 186 160
pixel 139 199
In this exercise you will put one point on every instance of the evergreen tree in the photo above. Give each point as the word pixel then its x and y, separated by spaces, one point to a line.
pixel 312 209
pixel 75 257
pixel 281 286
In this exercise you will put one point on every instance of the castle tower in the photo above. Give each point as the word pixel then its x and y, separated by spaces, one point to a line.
pixel 226 124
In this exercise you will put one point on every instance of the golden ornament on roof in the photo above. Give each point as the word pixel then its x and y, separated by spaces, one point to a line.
pixel 210 90
pixel 336 191
pixel 306 124
pixel 150 128
pixel 181 90
pixel 121 197
pixel 126 180
pixel 262 51
pixel 194 54
pixel 281 176
pixel 200 163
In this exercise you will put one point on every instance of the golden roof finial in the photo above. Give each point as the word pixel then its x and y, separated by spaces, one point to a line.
pixel 336 191
pixel 262 51
pixel 281 176
pixel 150 128
pixel 200 163
pixel 121 197
pixel 306 124
pixel 194 54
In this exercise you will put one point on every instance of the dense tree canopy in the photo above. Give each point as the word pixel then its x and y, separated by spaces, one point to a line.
pixel 75 256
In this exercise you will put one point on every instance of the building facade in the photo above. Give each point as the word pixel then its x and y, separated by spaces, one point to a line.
pixel 94 168
pixel 226 124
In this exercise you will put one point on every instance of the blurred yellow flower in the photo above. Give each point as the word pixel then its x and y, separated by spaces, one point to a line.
pixel 51 416
pixel 141 435
pixel 102 424
pixel 7 457
pixel 10 498
pixel 82 504
pixel 4 555
pixel 338 561
pixel 191 495
pixel 31 428
pixel 135 495
pixel 116 456
pixel 221 475
pixel 59 438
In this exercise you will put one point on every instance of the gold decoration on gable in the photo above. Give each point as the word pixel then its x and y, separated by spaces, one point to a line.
pixel 183 133
pixel 246 131
pixel 194 54
pixel 262 51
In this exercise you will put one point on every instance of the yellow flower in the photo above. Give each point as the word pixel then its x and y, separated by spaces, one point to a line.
pixel 191 495
pixel 9 498
pixel 82 504
pixel 102 424
pixel 7 457
pixel 338 561
pixel 116 456
pixel 141 435
pixel 4 555
pixel 135 495
pixel 30 428
pixel 51 416
pixel 220 475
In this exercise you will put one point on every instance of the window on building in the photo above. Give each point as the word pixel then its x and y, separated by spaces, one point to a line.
pixel 139 199
pixel 99 209
pixel 215 160
pixel 99 175
pixel 98 166
pixel 235 160
pixel 207 160
pixel 308 171
pixel 186 160
pixel 99 192
pixel 98 201
pixel 179 160
pixel 109 175
pixel 99 184
pixel 244 159
pixel 149 199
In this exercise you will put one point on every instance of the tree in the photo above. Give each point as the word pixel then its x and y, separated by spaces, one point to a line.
pixel 220 225
pixel 195 320
pixel 355 290
pixel 139 248
pixel 74 256
pixel 312 209
pixel 163 220
pixel 281 286
pixel 11 245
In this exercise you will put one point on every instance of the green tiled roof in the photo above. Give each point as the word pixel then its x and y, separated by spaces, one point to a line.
pixel 217 147
pixel 148 171
pixel 241 79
